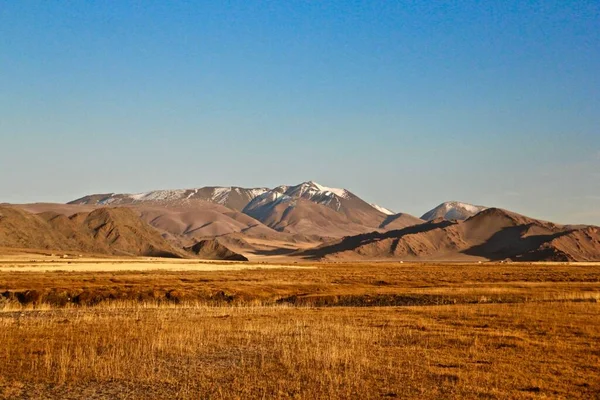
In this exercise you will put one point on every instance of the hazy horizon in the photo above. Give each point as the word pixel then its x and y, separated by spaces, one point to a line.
pixel 405 105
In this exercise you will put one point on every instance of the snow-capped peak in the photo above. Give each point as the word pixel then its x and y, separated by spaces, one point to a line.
pixel 383 209
pixel 453 210
pixel 312 186
pixel 465 206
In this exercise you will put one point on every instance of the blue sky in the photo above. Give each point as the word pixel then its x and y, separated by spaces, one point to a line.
pixel 407 103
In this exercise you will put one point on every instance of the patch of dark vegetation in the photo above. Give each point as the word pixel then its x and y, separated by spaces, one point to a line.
pixel 380 300
pixel 448 365
pixel 448 378
pixel 92 297
pixel 532 389
pixel 381 283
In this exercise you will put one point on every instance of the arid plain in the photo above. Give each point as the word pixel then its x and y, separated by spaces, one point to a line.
pixel 157 328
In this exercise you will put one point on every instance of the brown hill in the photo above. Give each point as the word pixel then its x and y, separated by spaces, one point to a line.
pixel 211 249
pixel 123 232
pixel 400 221
pixel 185 222
pixel 188 219
pixel 493 234
pixel 579 244
pixel 20 229
pixel 304 216
pixel 115 231
pixel 192 220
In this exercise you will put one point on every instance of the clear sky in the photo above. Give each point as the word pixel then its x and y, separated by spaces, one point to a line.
pixel 405 103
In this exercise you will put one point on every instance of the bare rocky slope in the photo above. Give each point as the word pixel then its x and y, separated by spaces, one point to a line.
pixel 211 249
pixel 185 222
pixel 114 231
pixel 493 234
pixel 232 197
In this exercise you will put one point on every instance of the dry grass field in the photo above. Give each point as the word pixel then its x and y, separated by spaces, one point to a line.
pixel 378 330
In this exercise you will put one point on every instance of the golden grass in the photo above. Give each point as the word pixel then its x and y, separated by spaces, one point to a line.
pixel 502 332
pixel 329 284
pixel 475 351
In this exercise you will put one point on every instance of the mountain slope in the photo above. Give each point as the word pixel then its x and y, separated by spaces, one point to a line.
pixel 235 198
pixel 194 220
pixel 20 229
pixel 185 222
pixel 492 234
pixel 315 209
pixel 116 231
pixel 400 221
pixel 452 210
pixel 286 214
pixel 351 214
pixel 124 233
pixel 213 250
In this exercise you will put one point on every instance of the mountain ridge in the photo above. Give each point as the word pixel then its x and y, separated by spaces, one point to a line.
pixel 492 234
pixel 452 210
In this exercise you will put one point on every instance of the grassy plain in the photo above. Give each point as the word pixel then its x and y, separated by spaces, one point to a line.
pixel 370 330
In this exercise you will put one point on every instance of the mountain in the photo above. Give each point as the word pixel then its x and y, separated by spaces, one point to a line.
pixel 122 231
pixel 20 229
pixel 213 250
pixel 310 220
pixel 452 210
pixel 236 198
pixel 233 197
pixel 185 222
pixel 492 234
pixel 192 220
pixel 308 208
pixel 114 231
pixel 316 209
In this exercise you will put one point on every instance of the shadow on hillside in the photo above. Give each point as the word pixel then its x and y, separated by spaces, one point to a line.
pixel 510 243
pixel 275 252
pixel 352 242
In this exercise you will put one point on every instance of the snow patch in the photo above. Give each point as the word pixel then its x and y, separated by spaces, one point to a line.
pixel 158 195
pixel 253 193
pixel 383 209
pixel 270 198
pixel 343 193
pixel 195 192
pixel 220 195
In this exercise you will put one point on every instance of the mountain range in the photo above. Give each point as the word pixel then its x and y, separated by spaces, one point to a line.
pixel 306 209
pixel 308 220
